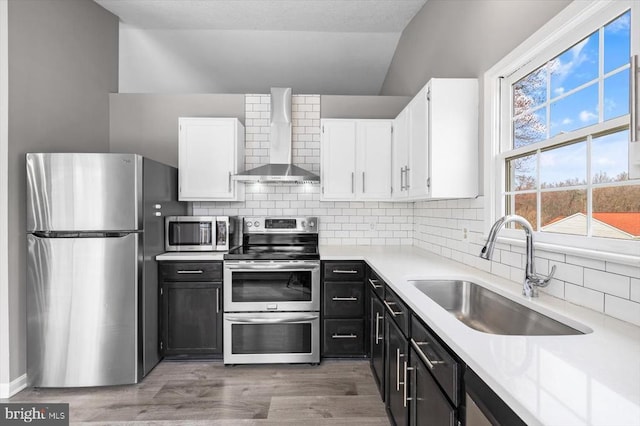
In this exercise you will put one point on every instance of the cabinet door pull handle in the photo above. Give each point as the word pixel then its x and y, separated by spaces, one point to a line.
pixel 344 336
pixel 345 299
pixel 344 271
pixel 353 183
pixel 404 383
pixel 378 318
pixel 229 182
pixel 363 182
pixel 398 356
pixel 373 284
pixel 430 363
pixel 406 173
pixel 217 300
pixel 391 311
pixel 195 271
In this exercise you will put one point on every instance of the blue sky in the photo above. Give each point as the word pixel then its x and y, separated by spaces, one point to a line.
pixel 575 67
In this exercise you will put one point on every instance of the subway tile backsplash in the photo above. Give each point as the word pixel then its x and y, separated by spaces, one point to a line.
pixel 341 223
pixel 450 228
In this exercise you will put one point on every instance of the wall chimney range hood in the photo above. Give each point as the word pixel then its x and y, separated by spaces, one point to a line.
pixel 279 168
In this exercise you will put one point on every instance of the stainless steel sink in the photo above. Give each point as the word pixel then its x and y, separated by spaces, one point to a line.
pixel 489 312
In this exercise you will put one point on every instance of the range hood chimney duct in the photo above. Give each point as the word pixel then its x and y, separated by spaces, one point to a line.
pixel 279 168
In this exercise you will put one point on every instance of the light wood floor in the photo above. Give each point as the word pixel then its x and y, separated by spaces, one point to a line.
pixel 208 393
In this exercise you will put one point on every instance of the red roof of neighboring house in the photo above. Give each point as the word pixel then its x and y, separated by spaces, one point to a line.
pixel 628 222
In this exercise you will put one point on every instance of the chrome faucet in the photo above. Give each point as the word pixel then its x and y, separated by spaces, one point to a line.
pixel 531 279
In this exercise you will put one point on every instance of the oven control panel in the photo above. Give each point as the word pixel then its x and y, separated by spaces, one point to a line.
pixel 280 225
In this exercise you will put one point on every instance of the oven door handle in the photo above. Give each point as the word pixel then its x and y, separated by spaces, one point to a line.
pixel 246 320
pixel 280 267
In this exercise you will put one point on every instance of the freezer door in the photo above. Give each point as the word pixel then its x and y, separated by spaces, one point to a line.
pixel 82 296
pixel 84 192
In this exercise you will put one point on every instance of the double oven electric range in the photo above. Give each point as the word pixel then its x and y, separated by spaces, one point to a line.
pixel 272 293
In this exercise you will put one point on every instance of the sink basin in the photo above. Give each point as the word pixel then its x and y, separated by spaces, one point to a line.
pixel 489 312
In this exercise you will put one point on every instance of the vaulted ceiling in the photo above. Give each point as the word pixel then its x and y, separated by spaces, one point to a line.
pixel 248 46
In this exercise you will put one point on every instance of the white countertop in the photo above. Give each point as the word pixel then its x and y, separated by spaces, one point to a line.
pixel 591 379
pixel 191 256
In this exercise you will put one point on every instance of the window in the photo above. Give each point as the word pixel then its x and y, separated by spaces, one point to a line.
pixel 563 160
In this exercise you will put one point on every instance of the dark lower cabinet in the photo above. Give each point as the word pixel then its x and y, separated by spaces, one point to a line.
pixel 427 404
pixel 191 310
pixel 377 341
pixel 396 360
pixel 344 332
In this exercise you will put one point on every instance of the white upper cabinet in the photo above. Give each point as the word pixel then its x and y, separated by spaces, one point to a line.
pixel 453 138
pixel 435 151
pixel 338 159
pixel 210 152
pixel 356 159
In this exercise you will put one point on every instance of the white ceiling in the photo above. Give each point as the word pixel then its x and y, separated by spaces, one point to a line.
pixel 248 46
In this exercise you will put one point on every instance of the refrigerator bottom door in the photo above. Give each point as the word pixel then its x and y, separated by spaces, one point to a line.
pixel 82 311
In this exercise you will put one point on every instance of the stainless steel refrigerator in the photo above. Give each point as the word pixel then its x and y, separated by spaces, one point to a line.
pixel 94 227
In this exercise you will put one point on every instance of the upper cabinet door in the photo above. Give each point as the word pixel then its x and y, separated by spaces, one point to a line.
pixel 338 151
pixel 210 152
pixel 453 137
pixel 373 179
pixel 400 155
pixel 418 174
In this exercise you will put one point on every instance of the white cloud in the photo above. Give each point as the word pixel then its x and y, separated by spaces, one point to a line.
pixel 567 121
pixel 586 116
pixel 620 24
pixel 559 91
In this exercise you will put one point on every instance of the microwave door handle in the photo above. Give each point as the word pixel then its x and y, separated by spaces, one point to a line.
pixel 245 320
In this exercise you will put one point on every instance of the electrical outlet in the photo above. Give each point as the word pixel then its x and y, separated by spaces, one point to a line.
pixel 464 233
pixel 372 226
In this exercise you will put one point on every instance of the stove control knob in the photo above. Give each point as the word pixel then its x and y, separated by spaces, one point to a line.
pixel 256 223
pixel 304 224
pixel 312 224
pixel 249 224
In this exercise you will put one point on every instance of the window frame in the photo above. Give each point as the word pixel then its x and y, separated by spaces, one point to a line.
pixel 577 21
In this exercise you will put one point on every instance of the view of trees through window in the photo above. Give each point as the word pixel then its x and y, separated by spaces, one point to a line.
pixel 579 186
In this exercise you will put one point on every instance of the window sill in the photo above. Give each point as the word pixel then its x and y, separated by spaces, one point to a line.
pixel 607 256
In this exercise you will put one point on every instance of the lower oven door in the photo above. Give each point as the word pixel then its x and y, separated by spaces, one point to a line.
pixel 271 337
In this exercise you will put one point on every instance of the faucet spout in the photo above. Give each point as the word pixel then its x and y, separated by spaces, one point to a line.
pixel 532 280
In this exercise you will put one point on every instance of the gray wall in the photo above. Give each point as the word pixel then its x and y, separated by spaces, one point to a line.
pixel 147 124
pixel 462 38
pixel 63 62
pixel 336 106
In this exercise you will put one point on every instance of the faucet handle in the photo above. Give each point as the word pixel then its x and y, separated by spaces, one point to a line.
pixel 544 281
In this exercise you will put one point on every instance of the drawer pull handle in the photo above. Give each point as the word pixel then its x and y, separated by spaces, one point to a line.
pixel 391 311
pixel 344 271
pixel 373 283
pixel 430 363
pixel 344 336
pixel 345 299
pixel 197 271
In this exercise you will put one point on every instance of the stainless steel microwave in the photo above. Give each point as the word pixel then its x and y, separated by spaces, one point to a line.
pixel 198 233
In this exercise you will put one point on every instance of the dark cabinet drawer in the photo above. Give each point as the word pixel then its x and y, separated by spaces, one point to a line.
pixel 343 337
pixel 191 271
pixel 343 299
pixel 397 310
pixel 441 364
pixel 343 271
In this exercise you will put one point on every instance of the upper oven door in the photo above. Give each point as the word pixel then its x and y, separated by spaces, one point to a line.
pixel 258 286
